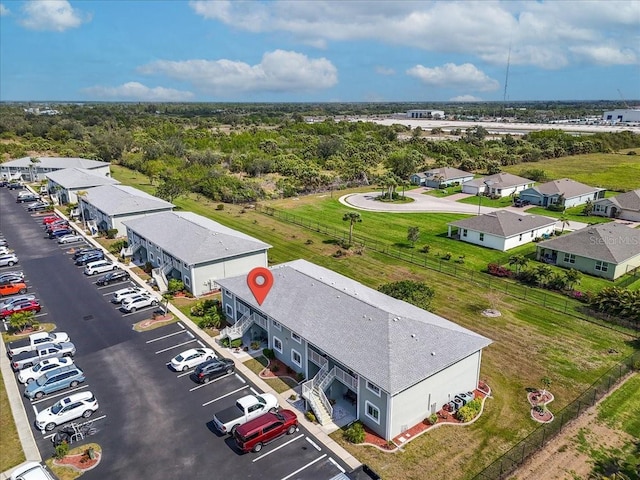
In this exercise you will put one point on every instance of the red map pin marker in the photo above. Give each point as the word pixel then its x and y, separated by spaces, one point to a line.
pixel 260 281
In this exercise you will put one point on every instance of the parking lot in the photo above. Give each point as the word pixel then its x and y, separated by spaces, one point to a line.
pixel 152 421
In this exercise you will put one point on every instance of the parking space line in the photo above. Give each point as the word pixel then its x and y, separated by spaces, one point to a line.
pixel 201 344
pixel 184 374
pixel 211 382
pixel 80 425
pixel 190 334
pixel 223 396
pixel 180 325
pixel 40 314
pixel 253 390
pixel 109 285
pixel 305 467
pixel 337 465
pixel 278 448
pixel 313 443
pixel 35 410
pixel 240 378
pixel 164 336
pixel 49 397
pixel 175 346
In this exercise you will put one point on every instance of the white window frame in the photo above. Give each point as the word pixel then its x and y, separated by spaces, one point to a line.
pixel 481 236
pixel 294 360
pixel 602 266
pixel 229 310
pixel 368 404
pixel 276 339
pixel 187 282
pixel 277 325
pixel 373 388
pixel 464 232
pixel 296 337
pixel 569 258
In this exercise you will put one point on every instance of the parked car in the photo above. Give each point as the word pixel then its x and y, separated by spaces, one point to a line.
pixel 253 435
pixel 60 233
pixel 30 374
pixel 9 259
pixel 77 405
pixel 136 302
pixel 15 273
pixel 5 302
pixel 190 358
pixel 13 288
pixel 24 306
pixel 93 256
pixel 50 350
pixel 85 251
pixel 208 370
pixel 3 242
pixel 67 376
pixel 28 198
pixel 112 277
pixel 50 219
pixel 56 225
pixel 123 293
pixel 38 206
pixel 71 238
pixel 100 266
pixel 11 277
pixel 31 471
pixel 4 250
pixel 33 341
pixel 15 186
pixel 246 408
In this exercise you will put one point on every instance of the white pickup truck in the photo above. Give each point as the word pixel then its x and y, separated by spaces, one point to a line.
pixel 35 340
pixel 246 408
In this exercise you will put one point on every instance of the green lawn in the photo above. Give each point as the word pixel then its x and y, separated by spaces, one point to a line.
pixel 621 410
pixel 487 202
pixel 444 192
pixel 573 214
pixel 11 453
pixel 613 171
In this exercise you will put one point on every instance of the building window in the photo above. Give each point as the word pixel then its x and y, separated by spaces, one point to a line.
pixel 150 256
pixel 372 412
pixel 531 233
pixel 277 344
pixel 520 238
pixel 296 337
pixel 227 293
pixel 296 358
pixel 187 282
pixel 464 232
pixel 229 311
pixel 373 388
pixel 482 237
pixel 276 325
pixel 602 266
pixel 570 258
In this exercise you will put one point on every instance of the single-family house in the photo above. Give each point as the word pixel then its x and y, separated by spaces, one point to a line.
pixel 501 184
pixel 441 177
pixel 34 169
pixel 502 229
pixel 66 183
pixel 365 355
pixel 110 205
pixel 193 249
pixel 625 206
pixel 606 250
pixel 565 192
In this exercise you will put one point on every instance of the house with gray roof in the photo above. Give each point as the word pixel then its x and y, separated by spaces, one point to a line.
pixel 564 191
pixel 606 250
pixel 65 183
pixel 365 355
pixel 109 206
pixel 34 169
pixel 193 249
pixel 502 229
pixel 500 185
pixel 625 206
pixel 441 177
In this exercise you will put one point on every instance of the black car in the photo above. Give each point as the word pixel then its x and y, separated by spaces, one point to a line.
pixel 85 251
pixel 90 257
pixel 4 183
pixel 28 198
pixel 61 232
pixel 213 369
pixel 15 186
pixel 112 277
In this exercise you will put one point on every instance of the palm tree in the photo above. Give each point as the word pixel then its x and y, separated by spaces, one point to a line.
pixel 572 277
pixel 546 382
pixel 542 273
pixel 519 261
pixel 564 222
pixel 34 161
pixel 352 218
pixel 80 194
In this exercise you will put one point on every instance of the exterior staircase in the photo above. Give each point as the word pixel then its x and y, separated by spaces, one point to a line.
pixel 313 393
pixel 160 277
pixel 238 329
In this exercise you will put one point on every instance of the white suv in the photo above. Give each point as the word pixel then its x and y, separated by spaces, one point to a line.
pixel 9 259
pixel 120 295
pixel 100 266
pixel 31 471
pixel 74 406
pixel 30 374
pixel 131 304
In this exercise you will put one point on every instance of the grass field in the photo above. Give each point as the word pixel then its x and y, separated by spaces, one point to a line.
pixel 10 452
pixel 529 341
pixel 613 171
pixel 622 409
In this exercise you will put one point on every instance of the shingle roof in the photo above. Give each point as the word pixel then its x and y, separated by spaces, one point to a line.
pixel 79 178
pixel 56 162
pixel 565 186
pixel 609 242
pixel 500 180
pixel 627 201
pixel 388 341
pixel 504 223
pixel 192 238
pixel 447 173
pixel 121 200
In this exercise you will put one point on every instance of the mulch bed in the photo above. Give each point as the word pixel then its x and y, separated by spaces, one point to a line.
pixel 281 370
pixel 537 399
pixel 80 461
pixel 152 321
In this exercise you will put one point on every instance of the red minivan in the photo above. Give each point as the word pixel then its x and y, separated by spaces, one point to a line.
pixel 253 435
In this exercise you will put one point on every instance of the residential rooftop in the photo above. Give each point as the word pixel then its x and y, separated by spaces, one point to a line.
pixel 445 173
pixel 122 200
pixel 500 180
pixel 504 223
pixel 390 342
pixel 79 178
pixel 567 187
pixel 55 162
pixel 627 201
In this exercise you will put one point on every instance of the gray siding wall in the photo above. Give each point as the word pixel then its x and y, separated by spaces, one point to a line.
pixel 289 345
pixel 365 398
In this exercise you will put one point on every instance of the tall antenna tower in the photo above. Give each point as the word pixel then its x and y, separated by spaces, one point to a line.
pixel 506 78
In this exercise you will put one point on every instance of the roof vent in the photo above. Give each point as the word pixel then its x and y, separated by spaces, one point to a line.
pixel 433 354
pixel 413 335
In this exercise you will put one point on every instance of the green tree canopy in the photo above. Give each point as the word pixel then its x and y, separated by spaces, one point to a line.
pixel 415 293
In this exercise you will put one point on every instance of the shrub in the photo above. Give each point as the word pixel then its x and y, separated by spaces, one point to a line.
pixel 210 321
pixel 269 353
pixel 425 249
pixel 636 365
pixel 220 206
pixel 310 416
pixel 431 419
pixel 275 368
pixel 293 397
pixel 147 267
pixel 355 433
pixel 112 232
pixel 499 271
pixel 117 246
pixel 237 343
pixel 556 208
pixel 255 345
pixel 175 285
pixel 469 411
pixel 309 242
pixel 300 376
pixel 446 256
pixel 61 450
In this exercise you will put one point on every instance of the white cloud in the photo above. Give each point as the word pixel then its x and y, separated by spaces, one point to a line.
pixel 451 75
pixel 51 15
pixel 465 98
pixel 380 70
pixel 543 33
pixel 4 10
pixel 139 92
pixel 605 55
pixel 279 71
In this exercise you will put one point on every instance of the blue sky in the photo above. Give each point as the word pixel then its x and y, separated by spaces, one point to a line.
pixel 318 51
